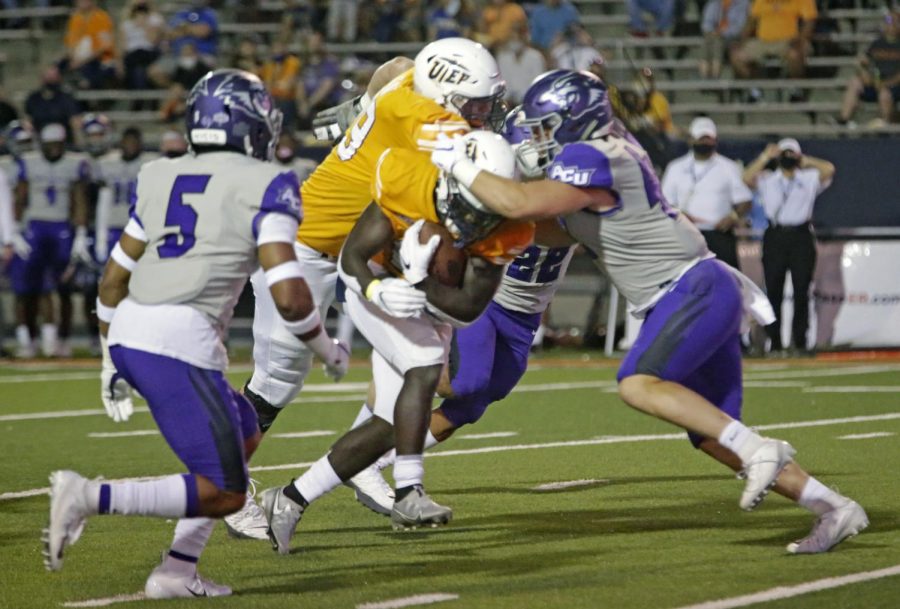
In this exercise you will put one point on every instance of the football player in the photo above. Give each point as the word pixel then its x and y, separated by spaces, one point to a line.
pixel 407 316
pixel 200 225
pixel 685 366
pixel 491 355
pixel 50 203
pixel 453 83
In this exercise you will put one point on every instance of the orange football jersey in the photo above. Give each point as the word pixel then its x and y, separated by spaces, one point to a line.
pixel 404 188
pixel 338 191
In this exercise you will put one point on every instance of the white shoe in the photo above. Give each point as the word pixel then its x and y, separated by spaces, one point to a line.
pixel 69 509
pixel 831 528
pixel 250 521
pixel 372 490
pixel 762 470
pixel 283 516
pixel 166 584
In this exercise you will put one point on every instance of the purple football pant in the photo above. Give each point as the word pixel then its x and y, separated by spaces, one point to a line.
pixel 51 247
pixel 692 337
pixel 202 418
pixel 493 356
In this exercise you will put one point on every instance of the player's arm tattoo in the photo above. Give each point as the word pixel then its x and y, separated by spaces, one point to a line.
pixel 468 302
pixel 372 234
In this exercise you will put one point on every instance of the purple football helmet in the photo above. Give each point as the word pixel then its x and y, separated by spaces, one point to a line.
pixel 513 132
pixel 19 137
pixel 563 106
pixel 97 131
pixel 231 109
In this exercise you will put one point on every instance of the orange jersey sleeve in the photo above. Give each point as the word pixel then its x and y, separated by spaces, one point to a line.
pixel 504 243
pixel 336 194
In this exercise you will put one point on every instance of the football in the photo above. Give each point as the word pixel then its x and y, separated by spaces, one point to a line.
pixel 448 265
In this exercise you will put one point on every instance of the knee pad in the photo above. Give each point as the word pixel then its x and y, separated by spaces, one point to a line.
pixel 279 377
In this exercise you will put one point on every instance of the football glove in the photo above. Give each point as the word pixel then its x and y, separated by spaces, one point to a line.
pixel 415 256
pixel 81 251
pixel 331 123
pixel 20 244
pixel 396 297
pixel 447 152
pixel 336 366
pixel 115 392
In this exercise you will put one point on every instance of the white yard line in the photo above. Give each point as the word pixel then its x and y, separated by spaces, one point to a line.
pixel 110 600
pixel 602 440
pixel 556 486
pixel 820 372
pixel 782 592
pixel 303 434
pixel 485 436
pixel 123 434
pixel 61 414
pixel 853 389
pixel 866 436
pixel 410 601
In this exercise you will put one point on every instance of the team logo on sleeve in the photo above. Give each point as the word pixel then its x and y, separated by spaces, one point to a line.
pixel 289 198
pixel 571 174
pixel 567 92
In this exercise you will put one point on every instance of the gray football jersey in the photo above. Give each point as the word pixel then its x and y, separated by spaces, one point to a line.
pixel 10 167
pixel 121 177
pixel 50 184
pixel 642 243
pixel 201 216
pixel 532 279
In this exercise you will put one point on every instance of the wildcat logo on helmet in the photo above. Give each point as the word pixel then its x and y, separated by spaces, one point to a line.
pixel 567 92
pixel 444 69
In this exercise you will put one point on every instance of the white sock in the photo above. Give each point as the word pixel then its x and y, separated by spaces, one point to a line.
pixel 48 339
pixel 741 440
pixel 388 458
pixel 408 470
pixel 430 440
pixel 364 415
pixel 191 537
pixel 23 336
pixel 318 480
pixel 818 498
pixel 166 497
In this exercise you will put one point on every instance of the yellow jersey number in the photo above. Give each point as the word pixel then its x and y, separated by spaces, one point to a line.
pixel 357 134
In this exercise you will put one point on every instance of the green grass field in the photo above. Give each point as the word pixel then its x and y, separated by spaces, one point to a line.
pixel 659 525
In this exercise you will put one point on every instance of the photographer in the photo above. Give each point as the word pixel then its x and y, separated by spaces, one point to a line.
pixel 788 193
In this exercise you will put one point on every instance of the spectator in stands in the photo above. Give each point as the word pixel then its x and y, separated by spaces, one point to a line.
pixel 385 19
pixel 89 42
pixel 342 20
pixel 319 79
pixel 779 29
pixel 520 63
pixel 172 144
pixel 709 190
pixel 662 12
pixel 411 27
pixel 550 20
pixel 878 75
pixel 189 69
pixel 498 19
pixel 51 103
pixel 575 50
pixel 298 16
pixel 722 23
pixel 646 113
pixel 450 19
pixel 788 195
pixel 197 26
pixel 286 154
pixel 8 112
pixel 140 40
pixel 280 72
pixel 247 55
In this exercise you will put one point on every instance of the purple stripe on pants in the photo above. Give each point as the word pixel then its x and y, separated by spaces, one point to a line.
pixel 202 418
pixel 691 337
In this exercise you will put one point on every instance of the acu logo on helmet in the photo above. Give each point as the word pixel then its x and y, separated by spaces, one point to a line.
pixel 444 69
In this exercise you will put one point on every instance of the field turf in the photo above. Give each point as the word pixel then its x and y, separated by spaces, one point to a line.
pixel 652 523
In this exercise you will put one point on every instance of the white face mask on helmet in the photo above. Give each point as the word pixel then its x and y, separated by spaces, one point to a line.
pixel 462 76
pixel 466 218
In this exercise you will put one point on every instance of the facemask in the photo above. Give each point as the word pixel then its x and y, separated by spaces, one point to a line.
pixel 788 162
pixel 704 149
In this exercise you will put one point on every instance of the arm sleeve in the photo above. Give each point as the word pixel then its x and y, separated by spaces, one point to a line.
pixel 277 228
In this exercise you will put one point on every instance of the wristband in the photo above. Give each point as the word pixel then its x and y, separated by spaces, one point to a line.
pixel 371 288
pixel 286 270
pixel 465 172
pixel 104 313
pixel 305 325
pixel 122 259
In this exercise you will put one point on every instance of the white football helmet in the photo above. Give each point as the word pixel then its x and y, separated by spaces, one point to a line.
pixel 462 76
pixel 459 209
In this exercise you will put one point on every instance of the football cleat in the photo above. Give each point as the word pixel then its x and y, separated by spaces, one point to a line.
pixel 69 509
pixel 167 584
pixel 372 490
pixel 417 509
pixel 831 528
pixel 249 522
pixel 282 514
pixel 762 470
